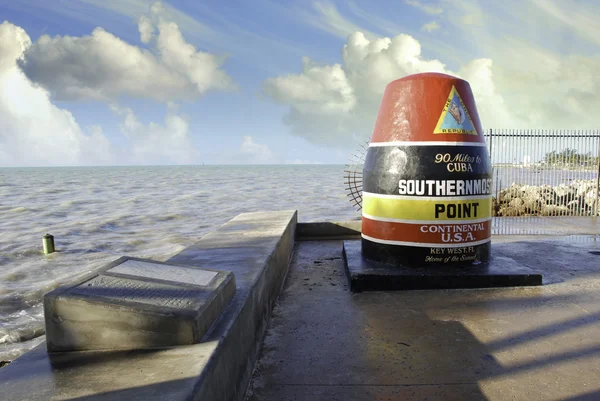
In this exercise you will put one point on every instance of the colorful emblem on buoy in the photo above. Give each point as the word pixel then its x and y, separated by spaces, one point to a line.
pixel 455 118
pixel 427 177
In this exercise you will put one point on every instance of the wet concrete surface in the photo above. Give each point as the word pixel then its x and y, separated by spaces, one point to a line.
pixel 528 343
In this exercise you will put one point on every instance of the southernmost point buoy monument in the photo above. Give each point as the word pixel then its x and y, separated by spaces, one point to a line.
pixel 427 194
pixel 427 176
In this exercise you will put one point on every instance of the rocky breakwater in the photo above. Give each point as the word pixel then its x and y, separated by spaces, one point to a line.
pixel 577 198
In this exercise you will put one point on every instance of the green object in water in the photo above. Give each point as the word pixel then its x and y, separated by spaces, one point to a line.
pixel 48 242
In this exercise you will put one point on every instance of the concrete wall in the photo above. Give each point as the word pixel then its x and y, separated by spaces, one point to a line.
pixel 240 331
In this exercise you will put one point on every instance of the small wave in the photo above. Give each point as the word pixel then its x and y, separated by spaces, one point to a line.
pixel 79 202
pixel 55 214
pixel 136 242
pixel 53 191
pixel 170 217
pixel 14 276
pixel 19 209
pixel 21 334
pixel 108 227
pixel 183 198
pixel 11 351
pixel 21 254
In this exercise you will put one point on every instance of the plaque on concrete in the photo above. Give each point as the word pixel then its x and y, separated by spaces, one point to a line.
pixel 136 304
pixel 164 272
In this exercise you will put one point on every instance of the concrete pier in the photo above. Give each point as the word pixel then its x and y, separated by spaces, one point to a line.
pixel 256 248
pixel 323 342
pixel 529 343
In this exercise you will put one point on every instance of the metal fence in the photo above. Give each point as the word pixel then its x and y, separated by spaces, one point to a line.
pixel 544 172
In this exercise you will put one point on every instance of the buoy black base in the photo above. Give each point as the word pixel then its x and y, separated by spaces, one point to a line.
pixel 415 256
pixel 367 275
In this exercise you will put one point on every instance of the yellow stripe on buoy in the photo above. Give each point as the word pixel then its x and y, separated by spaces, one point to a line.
pixel 429 209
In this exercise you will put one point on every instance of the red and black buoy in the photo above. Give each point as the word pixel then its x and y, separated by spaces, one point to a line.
pixel 427 177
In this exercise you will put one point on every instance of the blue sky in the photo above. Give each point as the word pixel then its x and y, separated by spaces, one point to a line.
pixel 272 82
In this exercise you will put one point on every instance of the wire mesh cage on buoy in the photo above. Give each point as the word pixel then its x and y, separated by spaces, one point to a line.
pixel 353 175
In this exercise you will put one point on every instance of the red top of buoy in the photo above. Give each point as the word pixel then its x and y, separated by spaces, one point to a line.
pixel 428 107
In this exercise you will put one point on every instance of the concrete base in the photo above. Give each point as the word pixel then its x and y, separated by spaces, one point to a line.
pixel 136 304
pixel 366 275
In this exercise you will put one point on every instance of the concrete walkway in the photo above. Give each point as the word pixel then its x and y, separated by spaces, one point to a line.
pixel 536 343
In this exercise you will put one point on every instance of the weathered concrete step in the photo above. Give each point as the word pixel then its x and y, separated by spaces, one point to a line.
pixel 135 303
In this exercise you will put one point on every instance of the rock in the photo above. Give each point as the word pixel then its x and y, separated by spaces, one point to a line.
pixel 4 363
pixel 554 210
pixel 508 194
pixel 590 198
pixel 564 194
pixel 508 212
pixel 531 192
pixel 518 206
pixel 532 199
pixel 547 194
pixel 575 198
pixel 582 187
pixel 532 206
pixel 575 206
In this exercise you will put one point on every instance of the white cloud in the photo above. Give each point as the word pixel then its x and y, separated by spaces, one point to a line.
pixel 135 8
pixel 329 19
pixel 146 28
pixel 428 8
pixel 318 90
pixel 519 84
pixel 201 23
pixel 545 72
pixel 337 104
pixel 582 18
pixel 432 44
pixel 430 26
pixel 255 153
pixel 152 143
pixel 33 131
pixel 468 13
pixel 383 24
pixel 325 16
pixel 103 67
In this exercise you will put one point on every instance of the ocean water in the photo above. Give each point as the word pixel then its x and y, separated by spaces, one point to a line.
pixel 98 214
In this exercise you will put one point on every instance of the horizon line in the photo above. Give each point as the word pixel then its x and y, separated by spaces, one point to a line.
pixel 179 165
